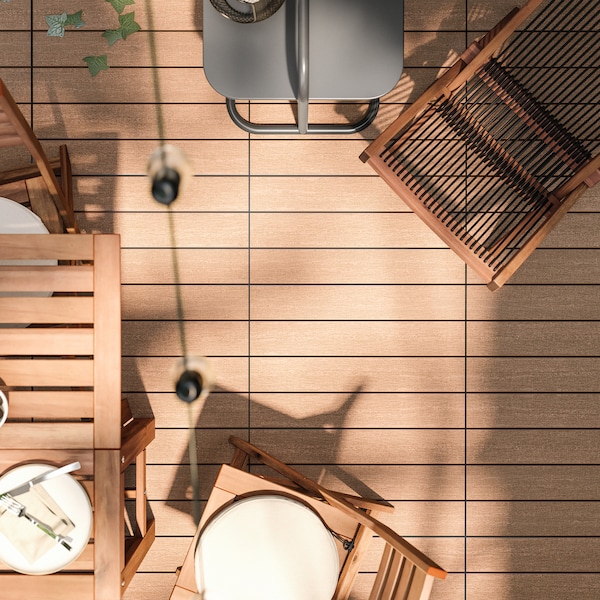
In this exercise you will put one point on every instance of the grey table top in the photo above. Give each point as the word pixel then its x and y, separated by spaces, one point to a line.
pixel 355 51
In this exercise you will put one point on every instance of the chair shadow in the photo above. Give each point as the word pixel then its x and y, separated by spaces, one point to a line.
pixel 331 421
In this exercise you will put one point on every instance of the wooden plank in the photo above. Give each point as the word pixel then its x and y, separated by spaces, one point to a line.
pixel 48 373
pixel 27 278
pixel 348 338
pixel 355 266
pixel 56 587
pixel 88 120
pixel 387 302
pixel 42 204
pixel 532 482
pixel 84 562
pixel 58 247
pixel 532 446
pixel 108 523
pixel 43 342
pixel 342 374
pixel 551 586
pixel 10 458
pixel 533 554
pixel 319 230
pixel 520 409
pixel 107 342
pixel 365 194
pixel 200 302
pixel 192 230
pixel 411 446
pixel 49 436
pixel 542 518
pixel 162 338
pixel 358 409
pixel 56 309
pixel 308 157
pixel 155 266
pixel 51 405
pixel 532 374
pixel 534 338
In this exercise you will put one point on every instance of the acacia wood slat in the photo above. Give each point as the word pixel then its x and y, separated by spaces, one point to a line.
pixel 51 405
pixel 9 458
pixel 56 587
pixel 43 205
pixel 49 373
pixel 46 278
pixel 47 310
pixel 47 341
pixel 107 342
pixel 108 525
pixel 51 436
pixel 49 247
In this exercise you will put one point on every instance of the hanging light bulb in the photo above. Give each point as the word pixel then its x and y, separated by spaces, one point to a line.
pixel 169 170
pixel 193 377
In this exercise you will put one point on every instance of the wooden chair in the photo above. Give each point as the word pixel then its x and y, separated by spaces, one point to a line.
pixel 62 375
pixel 500 147
pixel 50 200
pixel 404 572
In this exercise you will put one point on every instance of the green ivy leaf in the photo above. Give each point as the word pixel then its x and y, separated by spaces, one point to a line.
pixel 128 25
pixel 96 64
pixel 119 5
pixel 74 20
pixel 56 25
pixel 113 35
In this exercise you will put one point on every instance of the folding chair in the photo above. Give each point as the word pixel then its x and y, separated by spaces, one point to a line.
pixel 62 377
pixel 51 201
pixel 500 147
pixel 349 521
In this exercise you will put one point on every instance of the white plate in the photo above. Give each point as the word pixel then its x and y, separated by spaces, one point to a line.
pixel 15 218
pixel 70 495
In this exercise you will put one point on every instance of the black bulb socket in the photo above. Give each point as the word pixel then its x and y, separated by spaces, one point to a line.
pixel 189 386
pixel 165 185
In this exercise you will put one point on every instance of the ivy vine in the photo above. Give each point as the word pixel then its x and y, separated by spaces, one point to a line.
pixel 127 26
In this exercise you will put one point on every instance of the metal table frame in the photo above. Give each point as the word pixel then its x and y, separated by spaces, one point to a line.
pixel 302 95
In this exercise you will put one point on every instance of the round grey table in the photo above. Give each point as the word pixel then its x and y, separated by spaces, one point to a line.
pixel 308 50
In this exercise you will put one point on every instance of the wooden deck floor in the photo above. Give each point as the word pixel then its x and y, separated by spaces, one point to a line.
pixel 347 340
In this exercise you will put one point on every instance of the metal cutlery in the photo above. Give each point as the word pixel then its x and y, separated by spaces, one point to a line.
pixel 20 510
pixel 51 474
